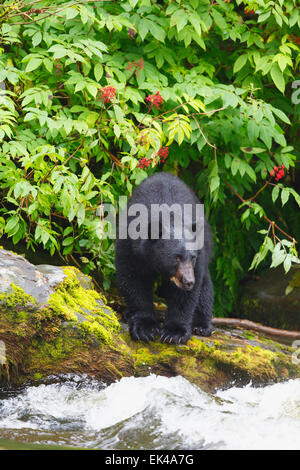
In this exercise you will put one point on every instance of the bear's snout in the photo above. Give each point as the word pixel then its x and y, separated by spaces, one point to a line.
pixel 188 284
pixel 184 277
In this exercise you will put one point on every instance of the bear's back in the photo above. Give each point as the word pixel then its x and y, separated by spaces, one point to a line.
pixel 163 188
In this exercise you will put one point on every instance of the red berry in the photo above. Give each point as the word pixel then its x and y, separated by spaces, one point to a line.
pixel 278 172
pixel 155 100
pixel 107 94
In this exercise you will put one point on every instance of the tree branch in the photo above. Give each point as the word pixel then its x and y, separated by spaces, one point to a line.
pixel 250 325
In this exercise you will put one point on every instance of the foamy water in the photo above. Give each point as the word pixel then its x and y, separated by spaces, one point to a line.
pixel 153 413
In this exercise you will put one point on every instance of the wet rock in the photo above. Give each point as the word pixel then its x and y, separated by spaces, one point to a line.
pixel 53 322
pixel 17 271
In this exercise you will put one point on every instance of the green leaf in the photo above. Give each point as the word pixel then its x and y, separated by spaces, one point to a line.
pixel 33 64
pixel 253 149
pixel 275 193
pixel 143 28
pixel 98 72
pixel 80 214
pixel 281 115
pixel 278 256
pixel 119 113
pixel 11 223
pixel 71 12
pixel 240 62
pixel 253 130
pixel 287 263
pixel 219 20
pixel 277 77
pixel 195 22
pixel 277 18
pixel 158 32
pixel 265 135
pixel 214 183
pixel 36 38
pixel 250 172
pixel 285 194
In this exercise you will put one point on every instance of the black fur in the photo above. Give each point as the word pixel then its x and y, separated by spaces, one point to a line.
pixel 139 262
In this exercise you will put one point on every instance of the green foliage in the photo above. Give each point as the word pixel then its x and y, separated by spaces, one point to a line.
pixel 75 122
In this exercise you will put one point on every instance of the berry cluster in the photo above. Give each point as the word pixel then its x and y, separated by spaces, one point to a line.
pixel 155 100
pixel 139 65
pixel 163 153
pixel 144 163
pixel 107 94
pixel 58 66
pixel 295 39
pixel 33 11
pixel 249 12
pixel 278 172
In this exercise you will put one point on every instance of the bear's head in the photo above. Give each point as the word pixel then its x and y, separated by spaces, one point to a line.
pixel 173 259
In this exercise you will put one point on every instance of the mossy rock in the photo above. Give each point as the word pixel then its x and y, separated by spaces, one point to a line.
pixel 227 357
pixel 73 330
pixel 69 328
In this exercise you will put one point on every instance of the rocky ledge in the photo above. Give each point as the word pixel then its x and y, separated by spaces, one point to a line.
pixel 53 321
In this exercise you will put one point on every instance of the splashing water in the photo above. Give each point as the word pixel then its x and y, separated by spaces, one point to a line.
pixel 153 413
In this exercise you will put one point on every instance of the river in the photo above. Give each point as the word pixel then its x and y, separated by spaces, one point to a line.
pixel 152 412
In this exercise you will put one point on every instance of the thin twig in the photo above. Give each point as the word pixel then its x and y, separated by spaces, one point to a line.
pixel 248 202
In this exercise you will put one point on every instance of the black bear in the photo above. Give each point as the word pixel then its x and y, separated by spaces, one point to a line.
pixel 143 255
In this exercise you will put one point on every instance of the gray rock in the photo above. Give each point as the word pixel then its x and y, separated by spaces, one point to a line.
pixel 37 281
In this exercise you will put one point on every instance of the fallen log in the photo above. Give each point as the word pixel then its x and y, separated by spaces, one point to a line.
pixel 250 325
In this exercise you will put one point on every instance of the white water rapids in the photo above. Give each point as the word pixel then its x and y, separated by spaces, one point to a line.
pixel 152 413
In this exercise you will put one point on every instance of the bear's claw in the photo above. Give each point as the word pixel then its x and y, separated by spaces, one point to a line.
pixel 175 335
pixel 144 330
pixel 200 331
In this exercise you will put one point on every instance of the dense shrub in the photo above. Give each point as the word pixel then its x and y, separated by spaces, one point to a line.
pixel 96 95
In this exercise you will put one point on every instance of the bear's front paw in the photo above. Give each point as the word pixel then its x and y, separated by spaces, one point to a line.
pixel 176 334
pixel 143 329
pixel 202 331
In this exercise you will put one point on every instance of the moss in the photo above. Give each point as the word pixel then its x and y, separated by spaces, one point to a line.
pixel 255 361
pixel 38 376
pixel 250 361
pixel 16 298
pixel 154 353
pixel 85 307
pixel 68 353
pixel 78 332
pixel 213 363
pixel 248 335
pixel 75 332
pixel 16 307
pixel 45 353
